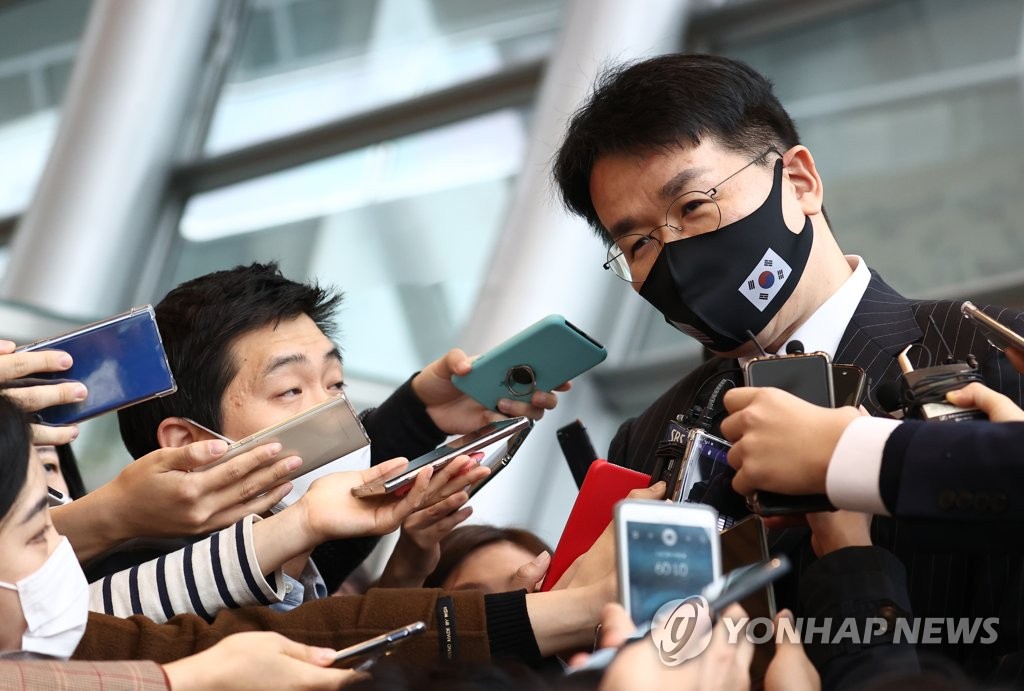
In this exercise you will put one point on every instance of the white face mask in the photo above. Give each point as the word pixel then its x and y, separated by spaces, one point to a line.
pixel 55 602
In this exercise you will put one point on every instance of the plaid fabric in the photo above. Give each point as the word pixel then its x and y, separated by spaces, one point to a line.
pixel 59 675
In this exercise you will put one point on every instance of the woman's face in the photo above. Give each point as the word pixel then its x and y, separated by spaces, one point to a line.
pixel 50 462
pixel 27 539
pixel 490 568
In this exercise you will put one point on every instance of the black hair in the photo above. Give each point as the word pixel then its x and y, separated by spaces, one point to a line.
pixel 69 470
pixel 199 322
pixel 463 541
pixel 666 102
pixel 15 442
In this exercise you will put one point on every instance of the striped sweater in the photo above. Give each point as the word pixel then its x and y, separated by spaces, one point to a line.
pixel 202 578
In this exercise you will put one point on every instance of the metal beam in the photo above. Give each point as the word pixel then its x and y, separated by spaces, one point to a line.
pixel 512 87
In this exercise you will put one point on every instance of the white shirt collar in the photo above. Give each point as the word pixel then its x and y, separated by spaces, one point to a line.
pixel 824 329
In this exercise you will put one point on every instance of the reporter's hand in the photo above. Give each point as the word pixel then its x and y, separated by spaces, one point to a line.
pixel 771 453
pixel 530 575
pixel 332 513
pixel 258 660
pixel 14 366
pixel 419 543
pixel 456 413
pixel 998 407
pixel 790 668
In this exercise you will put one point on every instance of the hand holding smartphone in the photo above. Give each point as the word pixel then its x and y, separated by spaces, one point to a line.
pixel 542 357
pixel 120 360
pixel 446 453
pixel 361 656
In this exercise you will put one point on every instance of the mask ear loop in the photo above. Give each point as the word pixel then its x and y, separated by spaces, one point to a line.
pixel 516 387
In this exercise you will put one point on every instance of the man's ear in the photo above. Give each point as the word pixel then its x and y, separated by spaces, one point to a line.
pixel 803 174
pixel 174 432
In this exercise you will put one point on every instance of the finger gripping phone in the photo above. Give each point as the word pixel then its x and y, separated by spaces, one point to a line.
pixel 665 552
pixel 445 454
pixel 539 358
pixel 999 335
pixel 317 435
pixel 121 361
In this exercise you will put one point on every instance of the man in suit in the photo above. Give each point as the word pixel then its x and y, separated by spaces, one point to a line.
pixel 693 175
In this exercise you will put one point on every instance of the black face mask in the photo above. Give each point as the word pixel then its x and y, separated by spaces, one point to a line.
pixel 717 286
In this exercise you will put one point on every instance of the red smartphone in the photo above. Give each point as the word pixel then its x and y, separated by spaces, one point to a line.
pixel 605 485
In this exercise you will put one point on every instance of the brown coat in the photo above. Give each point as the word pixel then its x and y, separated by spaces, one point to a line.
pixel 334 622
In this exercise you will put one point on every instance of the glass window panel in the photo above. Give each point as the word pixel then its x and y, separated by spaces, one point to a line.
pixel 38 43
pixel 405 228
pixel 347 58
pixel 882 43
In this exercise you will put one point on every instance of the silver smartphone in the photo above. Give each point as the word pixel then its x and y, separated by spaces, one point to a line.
pixel 362 656
pixel 999 335
pixel 317 435
pixel 443 455
pixel 705 477
pixel 665 552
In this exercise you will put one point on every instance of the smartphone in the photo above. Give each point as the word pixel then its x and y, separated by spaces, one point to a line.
pixel 539 358
pixel 443 455
pixel 317 435
pixel 665 552
pixel 605 485
pixel 807 375
pixel 705 477
pixel 362 656
pixel 121 361
pixel 577 449
pixel 499 460
pixel 848 384
pixel 740 583
pixel 997 334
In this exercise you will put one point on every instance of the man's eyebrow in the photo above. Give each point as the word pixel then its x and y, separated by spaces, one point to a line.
pixel 34 511
pixel 333 354
pixel 283 361
pixel 683 181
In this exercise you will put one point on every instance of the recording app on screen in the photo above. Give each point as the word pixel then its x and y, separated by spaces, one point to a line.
pixel 666 562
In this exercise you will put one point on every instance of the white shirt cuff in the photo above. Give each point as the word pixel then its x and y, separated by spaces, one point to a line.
pixel 852 479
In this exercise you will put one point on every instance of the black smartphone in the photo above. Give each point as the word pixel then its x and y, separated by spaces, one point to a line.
pixel 746 580
pixel 577 448
pixel 848 384
pixel 443 455
pixel 120 360
pixel 362 656
pixel 807 375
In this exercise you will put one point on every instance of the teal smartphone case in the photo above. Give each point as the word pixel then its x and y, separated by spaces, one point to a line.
pixel 539 358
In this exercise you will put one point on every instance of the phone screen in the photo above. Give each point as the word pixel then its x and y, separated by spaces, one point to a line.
pixel 666 562
pixel 707 479
pixel 847 385
pixel 805 376
pixel 120 363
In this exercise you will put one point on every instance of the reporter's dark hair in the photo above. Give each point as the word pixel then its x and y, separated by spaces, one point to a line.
pixel 15 441
pixel 666 102
pixel 199 321
pixel 463 541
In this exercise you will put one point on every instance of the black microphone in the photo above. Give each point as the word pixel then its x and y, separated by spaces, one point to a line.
pixel 923 395
pixel 889 396
pixel 794 348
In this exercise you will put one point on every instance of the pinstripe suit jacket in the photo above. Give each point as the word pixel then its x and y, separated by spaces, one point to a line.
pixel 953 570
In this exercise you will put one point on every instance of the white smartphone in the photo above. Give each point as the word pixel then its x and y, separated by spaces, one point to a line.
pixel 317 435
pixel 665 552
pixel 999 335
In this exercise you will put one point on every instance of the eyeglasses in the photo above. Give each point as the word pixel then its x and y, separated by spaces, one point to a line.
pixel 689 214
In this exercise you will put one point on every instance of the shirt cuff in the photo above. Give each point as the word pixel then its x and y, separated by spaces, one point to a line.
pixel 851 481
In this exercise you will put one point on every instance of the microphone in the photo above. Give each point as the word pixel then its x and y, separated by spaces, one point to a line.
pixel 923 394
pixel 889 397
pixel 794 348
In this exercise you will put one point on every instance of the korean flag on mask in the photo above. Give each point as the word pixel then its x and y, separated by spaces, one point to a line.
pixel 765 280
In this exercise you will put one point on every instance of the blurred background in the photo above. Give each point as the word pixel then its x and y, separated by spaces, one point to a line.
pixel 400 149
